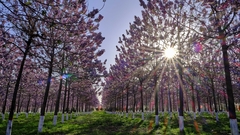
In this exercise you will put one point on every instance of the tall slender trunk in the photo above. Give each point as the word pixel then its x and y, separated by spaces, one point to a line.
pixel 59 93
pixel 28 103
pixel 169 98
pixel 178 101
pixel 115 103
pixel 51 105
pixel 127 103
pixel 64 100
pixel 156 99
pixel 146 103
pixel 77 105
pixel 187 103
pixel 193 101
pixel 13 104
pixel 68 100
pixel 162 100
pixel 181 116
pixel 141 91
pixel 206 106
pixel 20 108
pixel 82 106
pixel 35 103
pixel 228 79
pixel 198 100
pixel 5 100
pixel 180 72
pixel 72 107
pixel 170 101
pixel 118 102
pixel 122 101
pixel 225 100
pixel 214 99
pixel 18 102
pixel 134 104
pixel 209 101
pixel 47 105
pixel 174 102
pixel 41 120
pixel 219 102
pixel 159 100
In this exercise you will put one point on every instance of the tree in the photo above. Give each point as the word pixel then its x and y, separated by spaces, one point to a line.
pixel 218 20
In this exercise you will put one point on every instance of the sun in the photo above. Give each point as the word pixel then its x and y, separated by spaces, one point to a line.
pixel 170 52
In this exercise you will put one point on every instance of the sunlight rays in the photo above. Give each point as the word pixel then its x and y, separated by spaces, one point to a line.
pixel 170 52
pixel 178 76
pixel 162 58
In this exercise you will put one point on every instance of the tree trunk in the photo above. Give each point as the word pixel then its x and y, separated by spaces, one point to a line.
pixel 82 106
pixel 47 105
pixel 225 100
pixel 134 104
pixel 13 104
pixel 187 103
pixel 77 105
pixel 181 116
pixel 5 100
pixel 193 101
pixel 41 120
pixel 170 103
pixel 72 107
pixel 146 103
pixel 162 100
pixel 68 100
pixel 231 107
pixel 214 99
pixel 156 100
pixel 198 100
pixel 59 93
pixel 209 101
pixel 18 102
pixel 127 103
pixel 174 102
pixel 122 101
pixel 28 103
pixel 141 92
pixel 51 107
pixel 115 103
pixel 35 103
pixel 64 100
pixel 178 101
pixel 219 102
pixel 180 72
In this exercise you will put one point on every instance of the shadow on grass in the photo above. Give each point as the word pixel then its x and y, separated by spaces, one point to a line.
pixel 101 123
pixel 211 126
pixel 154 130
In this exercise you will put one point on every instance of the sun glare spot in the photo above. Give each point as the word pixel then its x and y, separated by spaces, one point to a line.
pixel 170 52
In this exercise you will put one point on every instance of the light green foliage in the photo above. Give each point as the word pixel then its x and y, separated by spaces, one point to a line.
pixel 102 123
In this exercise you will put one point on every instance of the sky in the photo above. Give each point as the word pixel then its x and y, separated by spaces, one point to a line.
pixel 117 16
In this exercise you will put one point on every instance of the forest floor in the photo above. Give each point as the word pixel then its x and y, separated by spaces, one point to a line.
pixel 102 123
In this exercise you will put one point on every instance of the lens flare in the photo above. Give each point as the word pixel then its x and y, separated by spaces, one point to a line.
pixel 197 47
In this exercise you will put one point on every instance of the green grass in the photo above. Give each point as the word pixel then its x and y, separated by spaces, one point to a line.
pixel 102 123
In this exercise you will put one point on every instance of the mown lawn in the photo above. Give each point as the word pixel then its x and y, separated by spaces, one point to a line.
pixel 102 123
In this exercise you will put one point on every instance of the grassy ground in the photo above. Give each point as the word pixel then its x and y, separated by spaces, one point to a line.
pixel 102 123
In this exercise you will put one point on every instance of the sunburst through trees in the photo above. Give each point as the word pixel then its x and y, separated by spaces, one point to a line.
pixel 201 34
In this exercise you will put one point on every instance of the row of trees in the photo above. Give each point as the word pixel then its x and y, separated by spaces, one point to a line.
pixel 49 57
pixel 203 74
